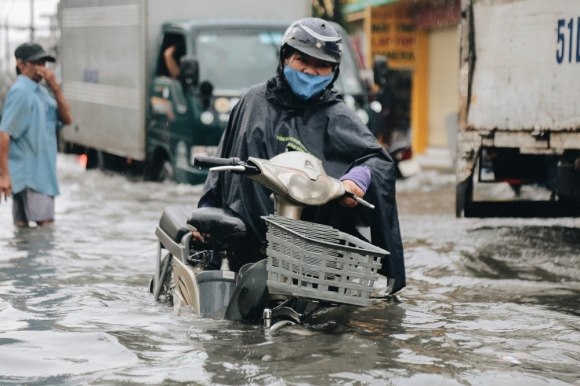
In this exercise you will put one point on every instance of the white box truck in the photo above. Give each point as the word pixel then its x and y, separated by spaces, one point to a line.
pixel 520 105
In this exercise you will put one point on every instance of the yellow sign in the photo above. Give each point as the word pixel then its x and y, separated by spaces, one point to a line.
pixel 393 34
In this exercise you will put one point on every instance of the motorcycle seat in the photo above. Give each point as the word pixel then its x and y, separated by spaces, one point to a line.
pixel 173 221
pixel 216 222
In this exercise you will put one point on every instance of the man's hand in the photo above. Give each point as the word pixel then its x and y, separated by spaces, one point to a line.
pixel 48 75
pixel 63 107
pixel 350 186
pixel 5 181
pixel 5 187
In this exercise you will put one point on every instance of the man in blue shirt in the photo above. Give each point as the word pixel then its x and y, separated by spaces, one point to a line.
pixel 28 137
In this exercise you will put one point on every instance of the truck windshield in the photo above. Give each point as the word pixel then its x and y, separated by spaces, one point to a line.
pixel 234 60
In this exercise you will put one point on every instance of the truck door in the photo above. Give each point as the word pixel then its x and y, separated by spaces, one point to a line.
pixel 169 110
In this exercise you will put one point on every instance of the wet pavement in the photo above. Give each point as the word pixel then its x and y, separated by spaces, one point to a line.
pixel 488 301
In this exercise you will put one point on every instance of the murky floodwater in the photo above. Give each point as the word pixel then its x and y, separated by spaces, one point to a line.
pixel 488 302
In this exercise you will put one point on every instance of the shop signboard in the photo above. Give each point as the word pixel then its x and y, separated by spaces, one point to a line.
pixel 394 35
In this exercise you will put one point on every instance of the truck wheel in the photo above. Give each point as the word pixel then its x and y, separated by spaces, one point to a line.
pixel 468 203
pixel 159 171
pixel 95 159
pixel 464 204
pixel 567 206
pixel 461 197
pixel 165 172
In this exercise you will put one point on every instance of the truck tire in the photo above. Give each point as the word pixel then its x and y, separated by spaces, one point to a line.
pixel 459 199
pixel 464 197
pixel 165 171
pixel 465 206
pixel 95 159
pixel 159 170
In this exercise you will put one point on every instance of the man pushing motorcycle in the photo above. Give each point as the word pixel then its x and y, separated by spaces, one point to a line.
pixel 299 110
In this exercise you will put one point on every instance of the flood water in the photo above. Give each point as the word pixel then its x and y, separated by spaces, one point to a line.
pixel 488 302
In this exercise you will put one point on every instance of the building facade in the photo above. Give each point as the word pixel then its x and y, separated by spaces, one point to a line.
pixel 420 40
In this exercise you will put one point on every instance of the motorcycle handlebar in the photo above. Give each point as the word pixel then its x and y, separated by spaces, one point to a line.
pixel 235 165
pixel 232 164
pixel 359 200
pixel 208 162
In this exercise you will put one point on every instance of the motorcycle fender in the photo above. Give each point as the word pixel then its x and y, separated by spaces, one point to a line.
pixel 250 295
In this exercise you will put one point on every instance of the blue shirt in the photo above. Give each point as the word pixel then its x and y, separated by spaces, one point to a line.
pixel 30 118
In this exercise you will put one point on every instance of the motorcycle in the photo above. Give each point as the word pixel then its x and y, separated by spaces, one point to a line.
pixel 309 267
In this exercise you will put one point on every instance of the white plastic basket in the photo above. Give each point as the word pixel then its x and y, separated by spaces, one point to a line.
pixel 319 262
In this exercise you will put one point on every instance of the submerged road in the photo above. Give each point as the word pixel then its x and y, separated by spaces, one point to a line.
pixel 488 301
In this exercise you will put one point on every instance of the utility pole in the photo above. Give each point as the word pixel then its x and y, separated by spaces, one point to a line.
pixel 31 20
pixel 6 44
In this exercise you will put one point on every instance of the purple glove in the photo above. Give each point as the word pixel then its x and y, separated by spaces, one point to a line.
pixel 360 175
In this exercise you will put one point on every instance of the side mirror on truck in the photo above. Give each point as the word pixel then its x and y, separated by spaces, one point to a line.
pixel 189 71
pixel 380 70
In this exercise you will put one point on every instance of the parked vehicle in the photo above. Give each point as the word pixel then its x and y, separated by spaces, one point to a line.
pixel 519 120
pixel 391 121
pixel 309 267
pixel 131 114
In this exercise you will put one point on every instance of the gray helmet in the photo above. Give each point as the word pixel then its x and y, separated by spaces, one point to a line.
pixel 314 37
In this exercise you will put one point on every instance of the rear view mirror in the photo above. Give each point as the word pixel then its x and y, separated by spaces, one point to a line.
pixel 189 71
pixel 206 91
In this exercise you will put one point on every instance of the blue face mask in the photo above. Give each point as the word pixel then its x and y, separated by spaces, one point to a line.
pixel 305 86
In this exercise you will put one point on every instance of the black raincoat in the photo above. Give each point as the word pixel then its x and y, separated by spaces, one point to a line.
pixel 269 120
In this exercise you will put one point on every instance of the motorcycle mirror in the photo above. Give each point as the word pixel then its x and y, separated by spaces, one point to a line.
pixel 206 91
pixel 380 70
pixel 189 70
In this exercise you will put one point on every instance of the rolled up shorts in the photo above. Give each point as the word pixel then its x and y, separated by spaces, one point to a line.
pixel 29 205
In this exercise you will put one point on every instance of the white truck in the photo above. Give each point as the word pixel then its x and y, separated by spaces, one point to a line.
pixel 520 105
